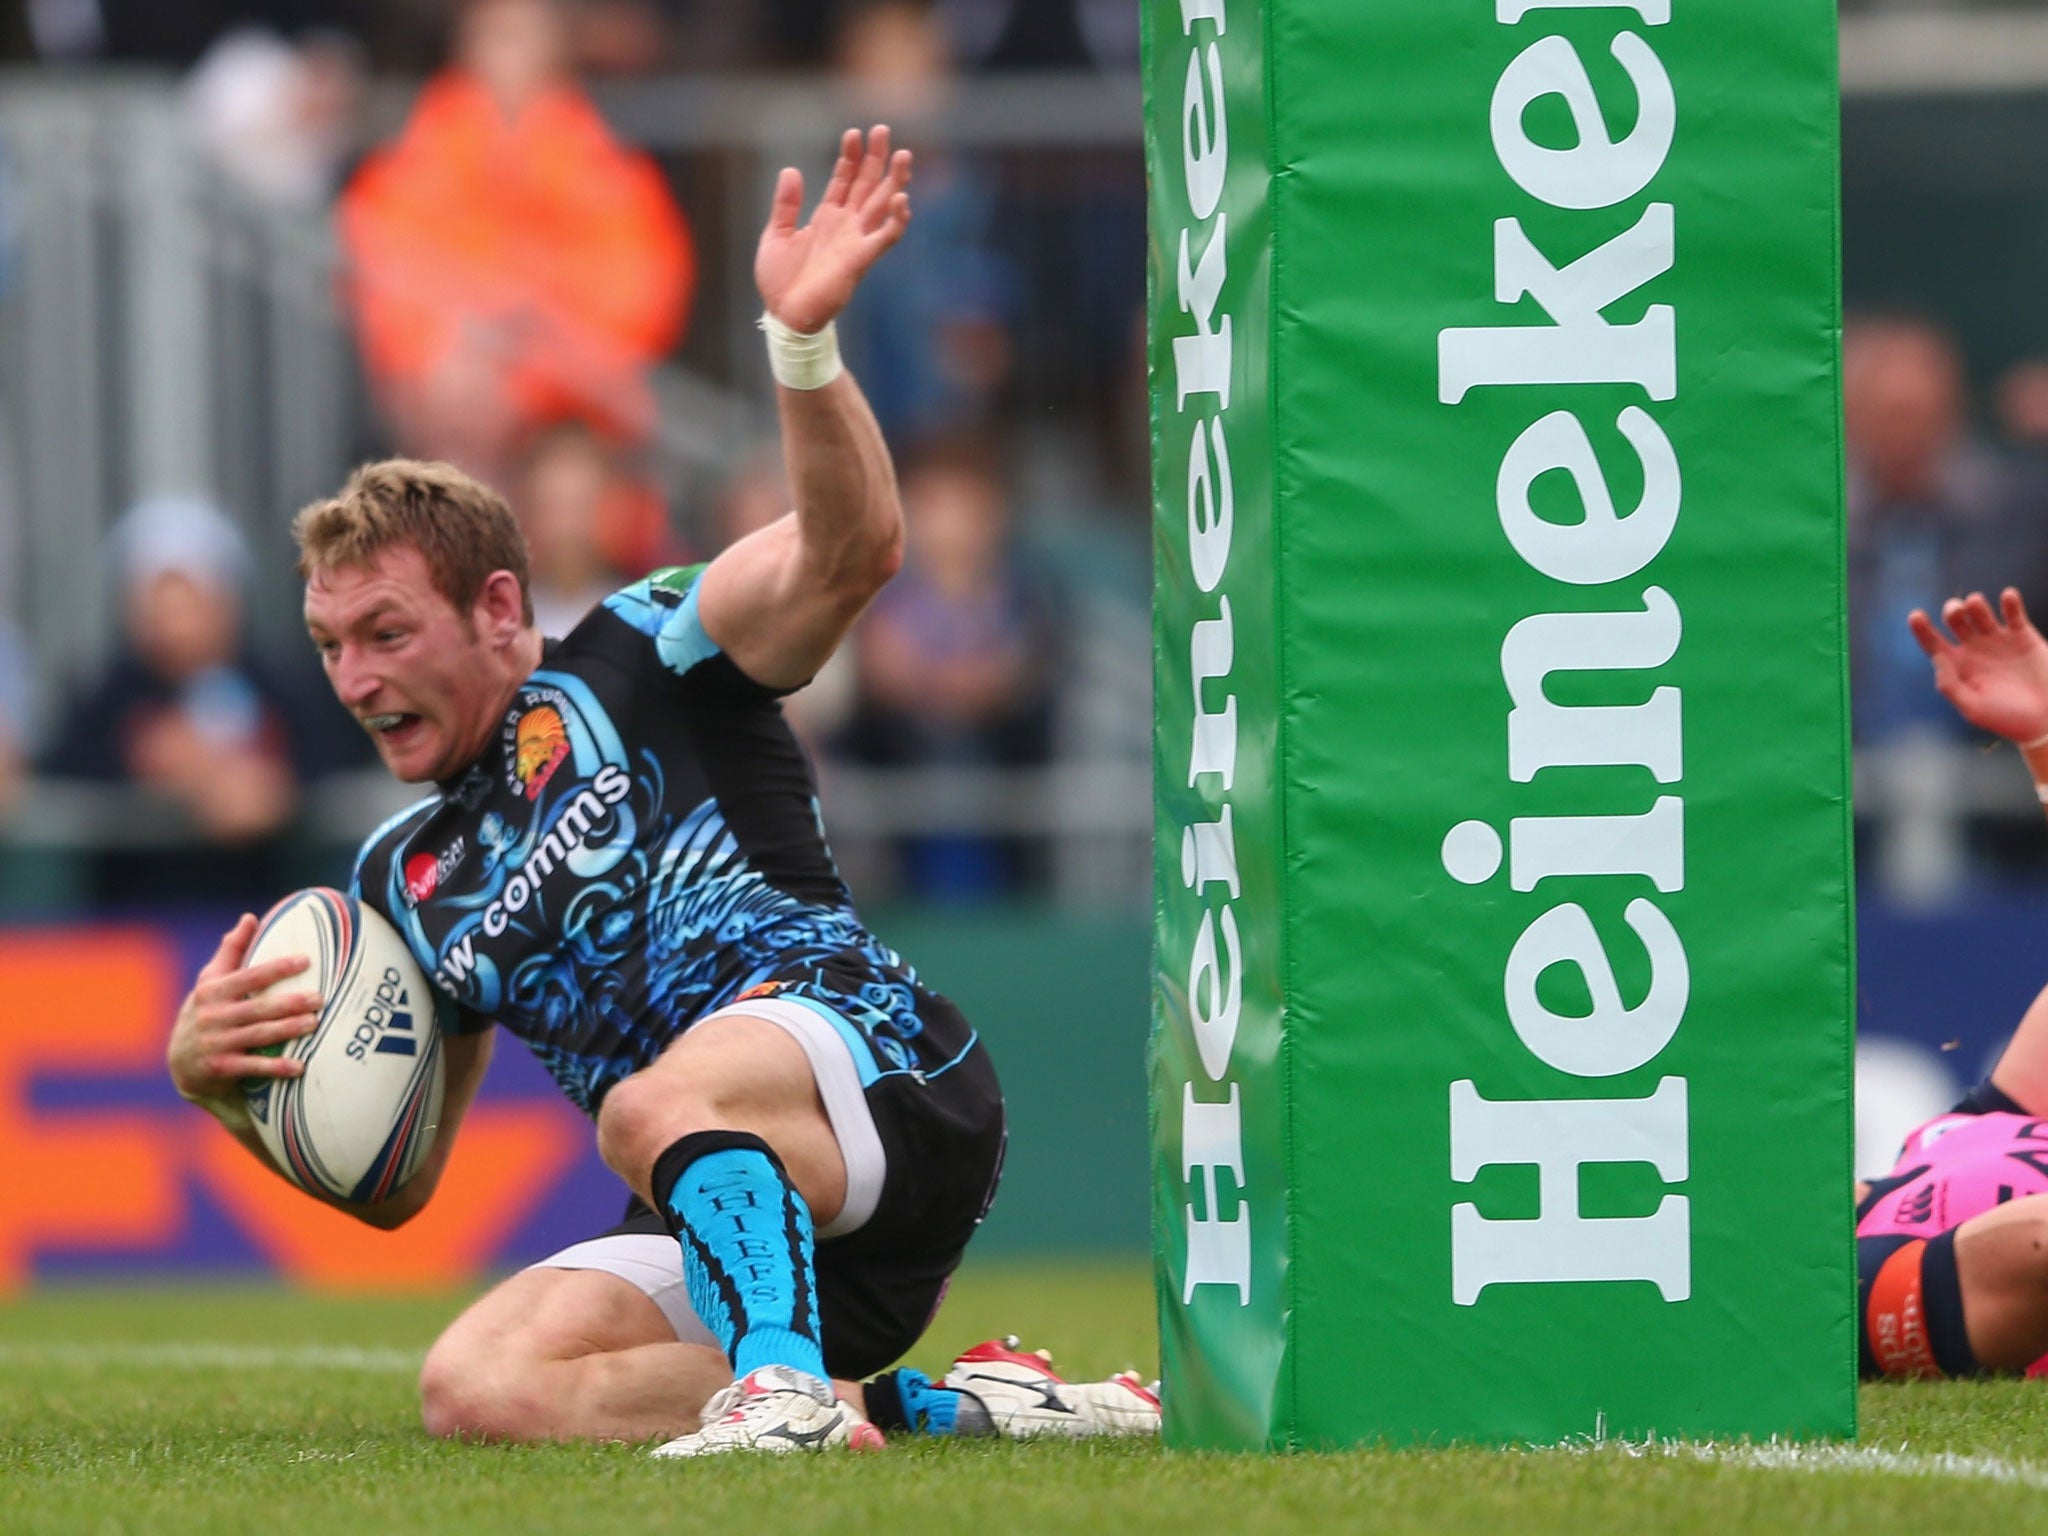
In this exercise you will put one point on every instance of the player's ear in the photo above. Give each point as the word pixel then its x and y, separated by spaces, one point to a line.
pixel 501 608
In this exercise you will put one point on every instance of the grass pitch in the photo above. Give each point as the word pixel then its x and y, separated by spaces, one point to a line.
pixel 239 1410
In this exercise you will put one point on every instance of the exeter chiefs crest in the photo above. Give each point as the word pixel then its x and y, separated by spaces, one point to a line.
pixel 536 744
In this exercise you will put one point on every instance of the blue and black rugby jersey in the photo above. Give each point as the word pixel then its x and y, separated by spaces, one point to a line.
pixel 638 847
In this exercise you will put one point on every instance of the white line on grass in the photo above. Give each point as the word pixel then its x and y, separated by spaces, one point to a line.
pixel 1778 1456
pixel 241 1357
pixel 1871 1458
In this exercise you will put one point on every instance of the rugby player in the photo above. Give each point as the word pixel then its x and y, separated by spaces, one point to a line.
pixel 621 862
pixel 1952 1244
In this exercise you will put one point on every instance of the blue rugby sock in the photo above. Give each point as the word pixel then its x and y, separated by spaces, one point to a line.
pixel 747 1248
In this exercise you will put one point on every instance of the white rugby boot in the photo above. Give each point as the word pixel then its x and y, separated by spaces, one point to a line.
pixel 1024 1397
pixel 775 1408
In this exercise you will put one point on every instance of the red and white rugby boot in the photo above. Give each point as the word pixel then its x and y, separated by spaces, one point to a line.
pixel 1024 1397
pixel 775 1408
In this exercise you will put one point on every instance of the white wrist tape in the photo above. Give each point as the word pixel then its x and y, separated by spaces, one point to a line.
pixel 801 361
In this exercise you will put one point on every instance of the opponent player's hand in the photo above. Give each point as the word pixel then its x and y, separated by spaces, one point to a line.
pixel 807 273
pixel 1995 668
pixel 221 1026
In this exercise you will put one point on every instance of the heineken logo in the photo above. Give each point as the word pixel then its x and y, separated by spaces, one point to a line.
pixel 1219 1217
pixel 1596 329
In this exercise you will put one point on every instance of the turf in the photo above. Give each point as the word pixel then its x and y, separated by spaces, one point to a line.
pixel 229 1410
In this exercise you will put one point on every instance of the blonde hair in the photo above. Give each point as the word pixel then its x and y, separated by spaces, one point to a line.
pixel 461 527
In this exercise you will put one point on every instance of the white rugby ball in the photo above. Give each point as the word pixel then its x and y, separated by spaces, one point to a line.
pixel 359 1121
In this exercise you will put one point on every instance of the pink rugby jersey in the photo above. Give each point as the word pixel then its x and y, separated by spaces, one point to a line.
pixel 1955 1167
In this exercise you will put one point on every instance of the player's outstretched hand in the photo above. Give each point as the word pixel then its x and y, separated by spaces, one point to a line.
pixel 806 273
pixel 221 1027
pixel 1992 666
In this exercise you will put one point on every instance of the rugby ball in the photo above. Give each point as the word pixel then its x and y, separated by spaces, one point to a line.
pixel 359 1121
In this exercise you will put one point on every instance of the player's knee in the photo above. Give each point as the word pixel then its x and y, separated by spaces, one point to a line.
pixel 467 1396
pixel 644 1114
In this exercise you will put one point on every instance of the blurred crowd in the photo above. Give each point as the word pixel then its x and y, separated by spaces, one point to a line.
pixel 606 37
pixel 514 278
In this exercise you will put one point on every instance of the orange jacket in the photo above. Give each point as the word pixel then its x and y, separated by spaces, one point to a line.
pixel 542 229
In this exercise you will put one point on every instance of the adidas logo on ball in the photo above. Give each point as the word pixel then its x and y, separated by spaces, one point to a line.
pixel 386 1025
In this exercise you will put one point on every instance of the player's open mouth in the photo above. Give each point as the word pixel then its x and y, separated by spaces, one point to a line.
pixel 392 728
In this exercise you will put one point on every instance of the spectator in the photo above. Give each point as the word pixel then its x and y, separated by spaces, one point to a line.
pixel 512 263
pixel 1071 226
pixel 16 672
pixel 2022 401
pixel 11 565
pixel 1932 511
pixel 956 659
pixel 15 716
pixel 278 117
pixel 567 485
pixel 930 332
pixel 184 710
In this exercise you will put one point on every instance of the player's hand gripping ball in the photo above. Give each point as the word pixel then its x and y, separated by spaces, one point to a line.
pixel 361 1118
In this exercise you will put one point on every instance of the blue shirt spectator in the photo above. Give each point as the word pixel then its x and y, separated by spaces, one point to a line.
pixel 1933 513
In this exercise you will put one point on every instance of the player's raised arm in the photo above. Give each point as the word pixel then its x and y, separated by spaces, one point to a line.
pixel 779 602
pixel 1992 665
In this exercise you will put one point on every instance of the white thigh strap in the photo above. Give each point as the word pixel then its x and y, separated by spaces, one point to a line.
pixel 650 1262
